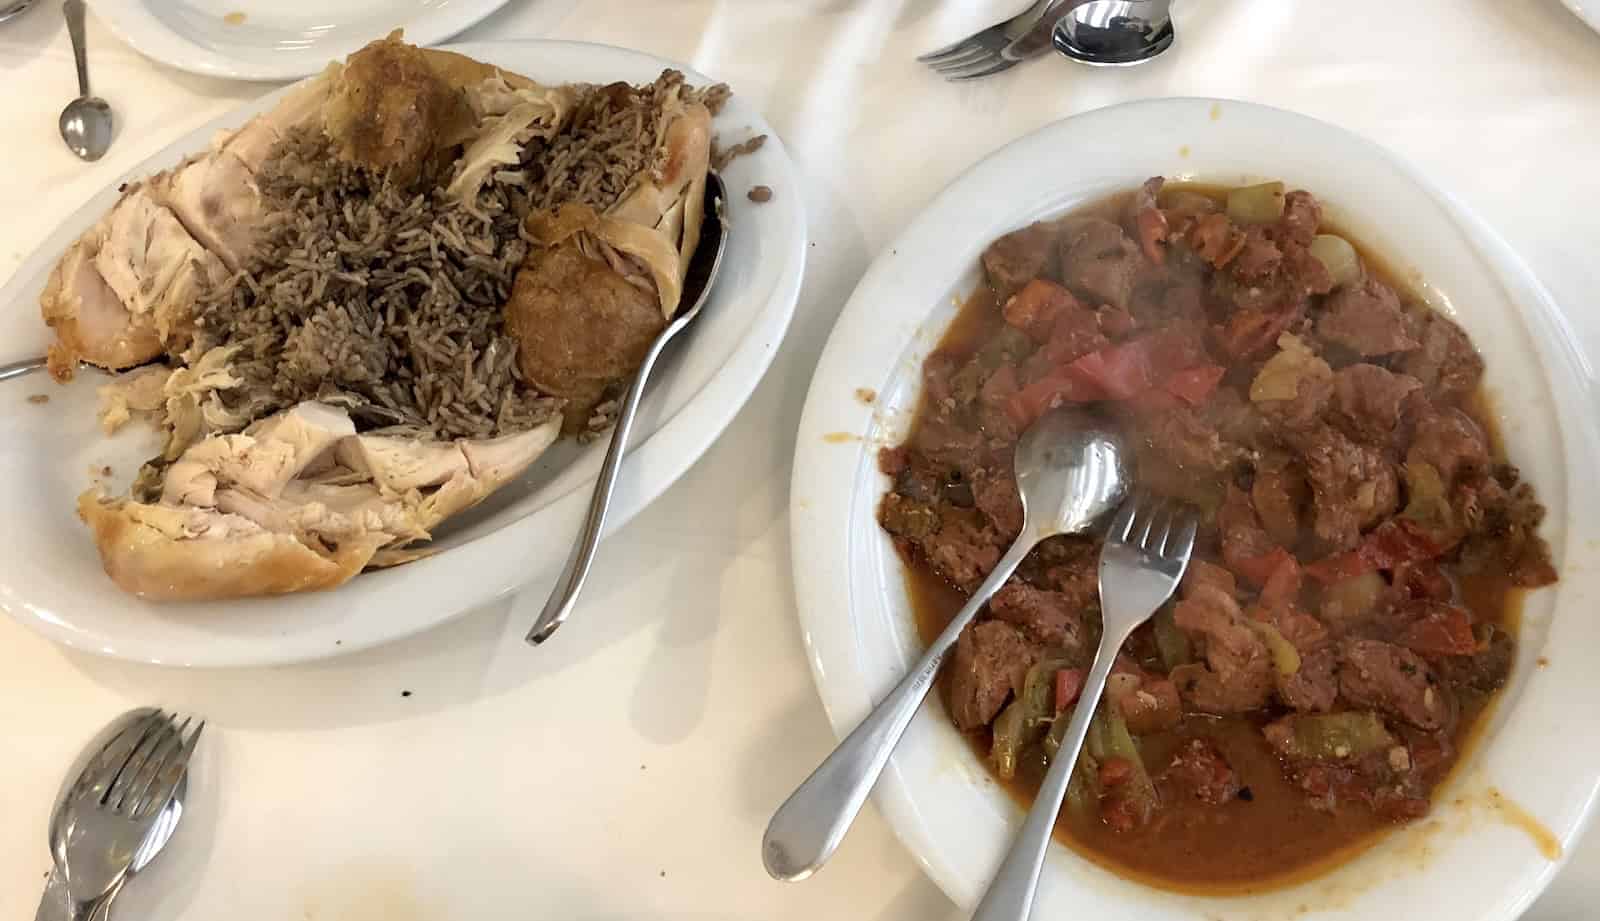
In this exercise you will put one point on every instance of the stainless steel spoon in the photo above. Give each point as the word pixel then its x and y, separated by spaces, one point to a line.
pixel 86 123
pixel 57 906
pixel 1070 471
pixel 703 267
pixel 1114 33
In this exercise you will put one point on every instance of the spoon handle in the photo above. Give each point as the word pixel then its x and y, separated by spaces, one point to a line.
pixel 809 826
pixel 73 10
pixel 565 595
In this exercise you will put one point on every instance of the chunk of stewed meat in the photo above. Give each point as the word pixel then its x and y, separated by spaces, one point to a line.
pixel 1021 256
pixel 991 660
pixel 1280 495
pixel 995 493
pixel 1314 686
pixel 1446 363
pixel 1450 442
pixel 1199 770
pixel 1488 666
pixel 1385 677
pixel 1302 215
pixel 1237 674
pixel 1367 401
pixel 1049 618
pixel 1099 262
pixel 1366 319
pixel 1353 486
pixel 1148 702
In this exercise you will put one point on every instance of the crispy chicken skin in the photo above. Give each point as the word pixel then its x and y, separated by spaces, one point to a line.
pixel 296 502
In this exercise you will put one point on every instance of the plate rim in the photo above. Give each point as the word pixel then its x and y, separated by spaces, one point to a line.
pixel 144 32
pixel 654 461
pixel 846 699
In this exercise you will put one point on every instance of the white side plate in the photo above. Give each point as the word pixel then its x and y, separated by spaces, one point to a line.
pixel 1465 862
pixel 50 576
pixel 277 39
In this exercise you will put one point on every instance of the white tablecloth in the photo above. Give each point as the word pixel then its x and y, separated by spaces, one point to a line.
pixel 626 770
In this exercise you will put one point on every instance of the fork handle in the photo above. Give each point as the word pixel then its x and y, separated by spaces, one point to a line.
pixel 808 827
pixel 1010 894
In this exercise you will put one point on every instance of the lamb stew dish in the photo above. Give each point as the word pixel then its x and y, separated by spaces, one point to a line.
pixel 1351 608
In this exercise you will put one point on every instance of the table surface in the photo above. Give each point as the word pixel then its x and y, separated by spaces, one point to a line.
pixel 626 770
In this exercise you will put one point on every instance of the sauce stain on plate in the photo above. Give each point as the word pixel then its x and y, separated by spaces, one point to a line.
pixel 234 18
pixel 839 438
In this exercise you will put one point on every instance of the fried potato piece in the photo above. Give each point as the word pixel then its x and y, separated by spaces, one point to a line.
pixel 580 324
pixel 389 109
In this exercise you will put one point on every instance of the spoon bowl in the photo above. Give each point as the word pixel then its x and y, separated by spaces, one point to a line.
pixel 1114 33
pixel 86 123
pixel 1071 470
pixel 87 126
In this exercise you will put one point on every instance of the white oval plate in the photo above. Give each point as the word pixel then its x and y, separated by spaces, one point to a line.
pixel 50 576
pixel 277 39
pixel 853 607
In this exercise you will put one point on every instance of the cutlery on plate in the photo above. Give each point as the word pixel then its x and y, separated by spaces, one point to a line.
pixel 14 9
pixel 1143 560
pixel 703 270
pixel 1001 46
pixel 86 122
pixel 1114 33
pixel 21 368
pixel 113 802
pixel 1070 471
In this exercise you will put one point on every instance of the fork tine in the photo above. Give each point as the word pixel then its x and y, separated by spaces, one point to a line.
pixel 977 67
pixel 965 44
pixel 1149 513
pixel 973 75
pixel 139 790
pixel 1181 544
pixel 1121 524
pixel 169 774
pixel 1162 518
pixel 111 759
pixel 133 769
pixel 965 58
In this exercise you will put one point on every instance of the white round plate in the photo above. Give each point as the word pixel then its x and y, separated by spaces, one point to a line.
pixel 50 576
pixel 1541 753
pixel 277 39
pixel 1586 10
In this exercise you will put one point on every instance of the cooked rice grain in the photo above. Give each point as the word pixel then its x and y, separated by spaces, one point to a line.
pixel 393 298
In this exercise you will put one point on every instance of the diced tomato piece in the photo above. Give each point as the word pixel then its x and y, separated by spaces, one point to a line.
pixel 1339 567
pixel 1119 371
pixel 1155 401
pixel 1069 684
pixel 1399 540
pixel 1282 585
pixel 1034 309
pixel 1152 227
pixel 1445 631
pixel 1249 332
pixel 1121 813
pixel 1175 347
pixel 1046 394
pixel 1195 385
pixel 1258 570
pixel 1396 541
pixel 1115 771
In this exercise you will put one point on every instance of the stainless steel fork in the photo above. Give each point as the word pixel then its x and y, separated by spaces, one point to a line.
pixel 1000 46
pixel 1145 555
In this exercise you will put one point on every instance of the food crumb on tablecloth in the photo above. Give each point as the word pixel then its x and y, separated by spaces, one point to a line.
pixel 38 399
pixel 760 194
